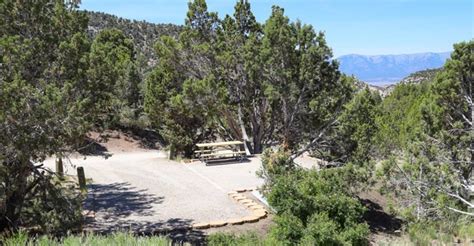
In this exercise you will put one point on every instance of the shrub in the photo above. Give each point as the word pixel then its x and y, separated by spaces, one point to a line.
pixel 288 229
pixel 56 209
pixel 313 207
pixel 428 232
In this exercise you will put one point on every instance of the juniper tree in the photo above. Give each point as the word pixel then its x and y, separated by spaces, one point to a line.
pixel 434 175
pixel 181 91
pixel 353 138
pixel 44 103
pixel 303 86
pixel 239 39
pixel 280 82
pixel 111 62
pixel 269 85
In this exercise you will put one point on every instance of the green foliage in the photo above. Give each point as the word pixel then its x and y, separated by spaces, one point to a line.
pixel 181 91
pixel 142 33
pixel 178 110
pixel 322 230
pixel 427 130
pixel 354 137
pixel 288 229
pixel 127 106
pixel 302 85
pixel 358 126
pixel 261 85
pixel 114 76
pixel 122 239
pixel 230 79
pixel 427 233
pixel 424 76
pixel 43 108
pixel 249 239
pixel 238 47
pixel 56 207
pixel 312 206
pixel 274 164
pixel 401 121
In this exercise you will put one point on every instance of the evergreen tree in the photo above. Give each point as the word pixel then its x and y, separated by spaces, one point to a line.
pixel 276 85
pixel 43 103
pixel 434 174
pixel 239 39
pixel 353 138
pixel 303 87
pixel 279 80
pixel 111 61
pixel 182 90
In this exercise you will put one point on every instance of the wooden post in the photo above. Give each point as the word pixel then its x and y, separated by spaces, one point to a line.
pixel 59 167
pixel 82 178
pixel 172 152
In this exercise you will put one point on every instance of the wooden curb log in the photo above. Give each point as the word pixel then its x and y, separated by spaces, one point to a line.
pixel 258 212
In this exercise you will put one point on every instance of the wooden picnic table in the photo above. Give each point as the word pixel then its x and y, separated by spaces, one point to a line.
pixel 218 144
pixel 219 150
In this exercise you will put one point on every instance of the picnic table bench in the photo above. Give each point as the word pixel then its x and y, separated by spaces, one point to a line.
pixel 220 150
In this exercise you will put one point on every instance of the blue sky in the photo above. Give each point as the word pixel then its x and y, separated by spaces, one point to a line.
pixel 368 27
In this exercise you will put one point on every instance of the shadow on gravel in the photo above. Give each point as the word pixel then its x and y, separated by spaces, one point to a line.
pixel 378 220
pixel 114 203
pixel 220 162
pixel 119 200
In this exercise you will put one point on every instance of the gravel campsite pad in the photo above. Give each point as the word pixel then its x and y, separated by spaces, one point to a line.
pixel 145 191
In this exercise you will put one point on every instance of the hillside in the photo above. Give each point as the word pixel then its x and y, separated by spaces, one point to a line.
pixel 389 69
pixel 414 78
pixel 144 34
pixel 421 76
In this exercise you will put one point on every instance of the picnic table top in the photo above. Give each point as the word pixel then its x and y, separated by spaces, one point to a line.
pixel 203 145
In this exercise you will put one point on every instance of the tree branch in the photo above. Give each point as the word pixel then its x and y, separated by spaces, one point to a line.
pixel 459 211
pixel 315 140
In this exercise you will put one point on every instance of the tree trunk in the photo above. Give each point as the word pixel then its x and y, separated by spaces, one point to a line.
pixel 245 137
pixel 471 174
pixel 14 200
pixel 257 143
pixel 257 133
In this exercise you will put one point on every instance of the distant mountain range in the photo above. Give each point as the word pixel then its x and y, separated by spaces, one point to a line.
pixel 389 69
